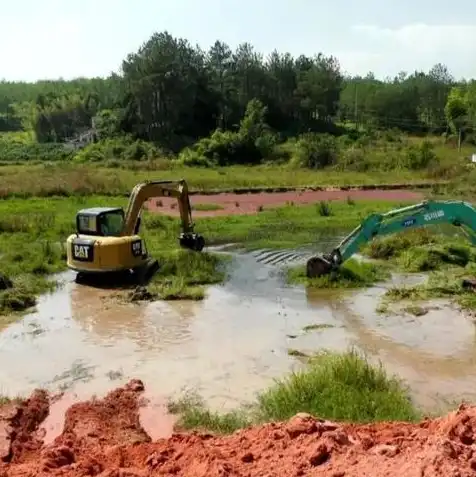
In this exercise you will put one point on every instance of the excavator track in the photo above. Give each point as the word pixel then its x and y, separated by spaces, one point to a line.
pixel 144 274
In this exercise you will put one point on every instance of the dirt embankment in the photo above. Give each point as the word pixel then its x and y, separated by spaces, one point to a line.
pixel 251 203
pixel 105 438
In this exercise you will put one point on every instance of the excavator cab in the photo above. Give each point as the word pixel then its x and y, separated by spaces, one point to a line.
pixel 100 221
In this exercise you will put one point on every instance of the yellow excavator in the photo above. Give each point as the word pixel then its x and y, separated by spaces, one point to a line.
pixel 107 239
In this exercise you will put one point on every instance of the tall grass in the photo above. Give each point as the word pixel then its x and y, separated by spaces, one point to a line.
pixel 66 180
pixel 337 386
pixel 351 274
pixel 183 273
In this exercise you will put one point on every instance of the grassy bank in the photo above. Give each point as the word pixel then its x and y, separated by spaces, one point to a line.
pixel 33 230
pixel 183 274
pixel 32 248
pixel 446 257
pixel 64 179
pixel 332 386
pixel 352 274
pixel 289 226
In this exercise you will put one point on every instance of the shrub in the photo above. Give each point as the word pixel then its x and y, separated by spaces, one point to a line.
pixel 21 148
pixel 122 148
pixel 421 156
pixel 253 142
pixel 315 151
pixel 336 386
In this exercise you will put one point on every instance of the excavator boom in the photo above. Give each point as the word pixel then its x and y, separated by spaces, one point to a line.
pixel 457 213
pixel 177 189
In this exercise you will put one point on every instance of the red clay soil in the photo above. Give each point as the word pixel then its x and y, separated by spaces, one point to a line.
pixel 104 437
pixel 239 204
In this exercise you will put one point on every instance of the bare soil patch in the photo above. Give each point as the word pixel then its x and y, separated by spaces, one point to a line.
pixel 252 203
pixel 104 437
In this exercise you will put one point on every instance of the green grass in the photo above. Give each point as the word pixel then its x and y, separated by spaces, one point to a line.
pixel 34 229
pixel 289 226
pixel 184 273
pixel 352 274
pixel 337 386
pixel 446 257
pixel 4 400
pixel 422 250
pixel 441 284
pixel 317 326
pixel 296 353
pixel 415 310
pixel 66 179
pixel 207 207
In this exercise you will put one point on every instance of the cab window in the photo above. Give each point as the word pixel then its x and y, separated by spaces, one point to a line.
pixel 87 224
pixel 111 224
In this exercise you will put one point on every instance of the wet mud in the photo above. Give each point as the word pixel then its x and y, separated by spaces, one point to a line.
pixel 83 341
pixel 105 437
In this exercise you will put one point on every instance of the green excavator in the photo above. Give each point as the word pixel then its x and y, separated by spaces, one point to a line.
pixel 458 213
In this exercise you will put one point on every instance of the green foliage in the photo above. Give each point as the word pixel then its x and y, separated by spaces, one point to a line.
pixel 421 251
pixel 107 123
pixel 422 259
pixel 253 142
pixel 175 94
pixel 339 387
pixel 456 108
pixel 324 209
pixel 352 274
pixel 446 283
pixel 18 148
pixel 393 245
pixel 183 273
pixel 421 156
pixel 315 151
pixel 121 148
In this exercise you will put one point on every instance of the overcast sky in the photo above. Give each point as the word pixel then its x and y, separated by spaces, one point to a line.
pixel 62 38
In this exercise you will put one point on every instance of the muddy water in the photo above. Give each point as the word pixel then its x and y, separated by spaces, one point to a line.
pixel 232 344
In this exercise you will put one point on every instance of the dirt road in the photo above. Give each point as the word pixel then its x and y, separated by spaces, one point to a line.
pixel 239 204
pixel 106 438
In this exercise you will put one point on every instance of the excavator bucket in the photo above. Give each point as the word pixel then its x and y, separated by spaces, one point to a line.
pixel 318 266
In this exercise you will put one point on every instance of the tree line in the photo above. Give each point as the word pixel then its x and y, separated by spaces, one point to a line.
pixel 173 93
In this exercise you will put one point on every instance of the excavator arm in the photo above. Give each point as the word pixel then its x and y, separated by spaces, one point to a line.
pixel 178 189
pixel 457 213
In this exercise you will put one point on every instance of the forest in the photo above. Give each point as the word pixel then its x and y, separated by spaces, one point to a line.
pixel 225 106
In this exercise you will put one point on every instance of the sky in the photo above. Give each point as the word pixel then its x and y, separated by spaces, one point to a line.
pixel 62 38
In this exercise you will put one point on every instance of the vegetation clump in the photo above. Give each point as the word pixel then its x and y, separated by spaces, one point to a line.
pixel 351 274
pixel 336 386
pixel 421 250
pixel 183 273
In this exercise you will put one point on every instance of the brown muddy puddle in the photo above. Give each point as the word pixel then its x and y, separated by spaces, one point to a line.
pixel 232 344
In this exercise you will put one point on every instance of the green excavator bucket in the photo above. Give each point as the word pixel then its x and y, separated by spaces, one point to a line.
pixel 318 266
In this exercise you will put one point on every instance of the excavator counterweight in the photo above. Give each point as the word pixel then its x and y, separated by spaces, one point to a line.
pixel 458 213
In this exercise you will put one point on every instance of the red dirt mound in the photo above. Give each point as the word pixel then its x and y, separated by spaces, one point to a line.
pixel 103 437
